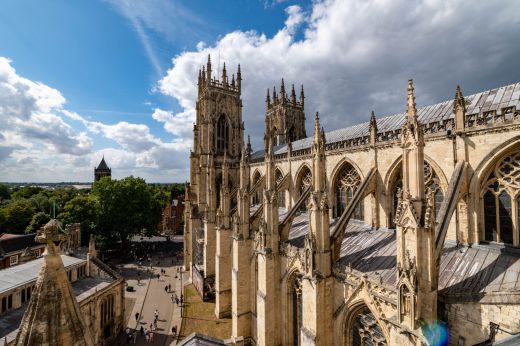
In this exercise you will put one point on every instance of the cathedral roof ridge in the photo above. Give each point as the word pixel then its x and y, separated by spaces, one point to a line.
pixel 495 99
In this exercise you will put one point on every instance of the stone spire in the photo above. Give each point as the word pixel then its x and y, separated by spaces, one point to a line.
pixel 53 316
pixel 282 90
pixel 224 75
pixel 208 69
pixel 267 99
pixel 302 97
pixel 293 95
pixel 373 129
pixel 239 79
pixel 459 109
pixel 411 110
pixel 318 155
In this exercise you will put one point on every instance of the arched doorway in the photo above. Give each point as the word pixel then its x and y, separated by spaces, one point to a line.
pixel 362 329
pixel 346 183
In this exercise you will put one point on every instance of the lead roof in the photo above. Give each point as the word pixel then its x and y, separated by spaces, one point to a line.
pixel 490 100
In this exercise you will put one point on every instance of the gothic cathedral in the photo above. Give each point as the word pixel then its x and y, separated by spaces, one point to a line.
pixel 403 230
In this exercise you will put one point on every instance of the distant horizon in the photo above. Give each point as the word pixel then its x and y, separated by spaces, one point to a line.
pixel 79 182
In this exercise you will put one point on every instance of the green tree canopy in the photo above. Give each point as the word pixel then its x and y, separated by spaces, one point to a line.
pixel 127 207
pixel 39 219
pixel 82 209
pixel 18 214
pixel 26 192
pixel 4 192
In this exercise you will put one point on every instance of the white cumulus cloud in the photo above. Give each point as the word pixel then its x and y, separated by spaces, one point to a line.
pixel 356 56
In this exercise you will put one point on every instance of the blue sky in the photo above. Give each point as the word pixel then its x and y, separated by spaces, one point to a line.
pixel 82 79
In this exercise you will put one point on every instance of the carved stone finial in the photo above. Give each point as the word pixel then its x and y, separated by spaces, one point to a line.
pixel 411 110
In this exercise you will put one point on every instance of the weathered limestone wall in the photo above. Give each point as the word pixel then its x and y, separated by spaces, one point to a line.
pixel 470 321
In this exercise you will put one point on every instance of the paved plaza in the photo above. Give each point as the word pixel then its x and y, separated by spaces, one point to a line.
pixel 150 295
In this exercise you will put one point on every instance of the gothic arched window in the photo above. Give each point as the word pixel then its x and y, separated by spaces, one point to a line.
pixel 296 311
pixel 256 198
pixel 222 144
pixel 107 316
pixel 291 135
pixel 281 193
pixel 432 183
pixel 346 184
pixel 365 330
pixel 303 182
pixel 501 200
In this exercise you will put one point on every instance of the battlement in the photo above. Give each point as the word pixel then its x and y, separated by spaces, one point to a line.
pixel 206 79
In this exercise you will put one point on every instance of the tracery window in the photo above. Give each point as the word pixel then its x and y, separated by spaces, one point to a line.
pixel 303 183
pixel 107 315
pixel 222 134
pixel 256 196
pixel 218 187
pixel 291 135
pixel 366 331
pixel 281 193
pixel 431 183
pixel 346 184
pixel 296 311
pixel 501 201
pixel 306 180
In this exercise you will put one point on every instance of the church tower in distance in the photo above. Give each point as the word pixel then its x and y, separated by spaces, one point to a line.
pixel 102 170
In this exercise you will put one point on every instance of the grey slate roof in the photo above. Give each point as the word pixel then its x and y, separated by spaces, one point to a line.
pixel 103 165
pixel 490 100
pixel 17 243
pixel 18 275
pixel 465 274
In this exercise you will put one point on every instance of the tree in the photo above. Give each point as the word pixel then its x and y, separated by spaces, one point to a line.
pixel 39 219
pixel 127 207
pixel 4 192
pixel 177 190
pixel 18 215
pixel 26 192
pixel 84 210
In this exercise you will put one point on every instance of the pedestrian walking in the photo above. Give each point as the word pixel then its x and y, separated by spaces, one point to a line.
pixel 166 288
pixel 147 337
pixel 156 313
pixel 151 337
pixel 136 316
pixel 141 331
pixel 135 336
pixel 172 299
pixel 177 301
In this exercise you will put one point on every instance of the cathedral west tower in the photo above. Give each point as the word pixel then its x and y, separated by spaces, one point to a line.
pixel 214 162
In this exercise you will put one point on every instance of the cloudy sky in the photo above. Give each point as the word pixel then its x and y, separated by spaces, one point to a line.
pixel 83 79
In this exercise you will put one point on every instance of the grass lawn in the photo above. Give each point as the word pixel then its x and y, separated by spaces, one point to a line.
pixel 200 317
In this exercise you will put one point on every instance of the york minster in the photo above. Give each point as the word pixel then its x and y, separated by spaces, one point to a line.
pixel 402 230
